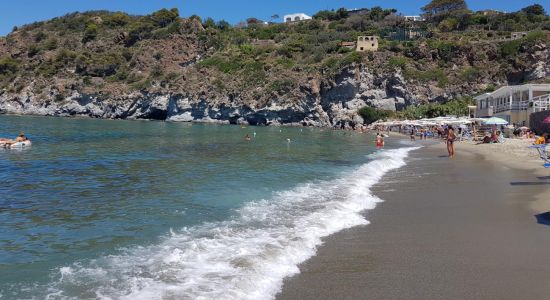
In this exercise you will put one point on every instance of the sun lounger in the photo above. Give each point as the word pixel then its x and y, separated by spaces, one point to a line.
pixel 541 149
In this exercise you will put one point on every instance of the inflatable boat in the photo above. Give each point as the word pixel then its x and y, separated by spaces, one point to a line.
pixel 18 145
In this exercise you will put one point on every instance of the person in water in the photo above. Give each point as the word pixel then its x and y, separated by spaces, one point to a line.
pixel 379 140
pixel 20 138
pixel 247 137
pixel 451 136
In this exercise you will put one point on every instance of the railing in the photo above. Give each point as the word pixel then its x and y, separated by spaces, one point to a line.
pixel 541 103
pixel 515 106
pixel 485 112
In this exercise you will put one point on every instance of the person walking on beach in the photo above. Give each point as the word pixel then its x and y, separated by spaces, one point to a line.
pixel 451 136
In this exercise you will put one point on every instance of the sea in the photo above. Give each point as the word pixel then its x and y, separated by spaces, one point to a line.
pixel 118 209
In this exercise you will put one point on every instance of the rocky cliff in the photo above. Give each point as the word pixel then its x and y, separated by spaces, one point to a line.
pixel 181 74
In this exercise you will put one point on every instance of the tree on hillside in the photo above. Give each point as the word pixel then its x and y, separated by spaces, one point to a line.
pixel 164 17
pixel 436 7
pixel 90 33
pixel 535 9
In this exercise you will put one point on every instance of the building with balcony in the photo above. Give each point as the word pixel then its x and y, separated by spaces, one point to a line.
pixel 514 103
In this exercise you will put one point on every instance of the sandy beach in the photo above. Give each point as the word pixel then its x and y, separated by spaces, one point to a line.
pixel 461 228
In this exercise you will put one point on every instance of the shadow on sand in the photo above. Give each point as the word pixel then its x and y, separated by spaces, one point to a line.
pixel 529 183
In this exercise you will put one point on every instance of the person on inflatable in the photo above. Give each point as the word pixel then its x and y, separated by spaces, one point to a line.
pixel 20 138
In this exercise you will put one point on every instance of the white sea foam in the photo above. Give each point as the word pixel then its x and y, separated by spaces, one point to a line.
pixel 246 257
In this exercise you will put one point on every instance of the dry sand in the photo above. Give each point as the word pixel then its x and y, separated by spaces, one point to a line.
pixel 460 228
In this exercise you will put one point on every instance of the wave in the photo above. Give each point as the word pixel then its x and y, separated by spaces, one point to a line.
pixel 246 257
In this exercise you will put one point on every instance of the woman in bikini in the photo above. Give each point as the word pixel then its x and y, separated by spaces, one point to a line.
pixel 451 136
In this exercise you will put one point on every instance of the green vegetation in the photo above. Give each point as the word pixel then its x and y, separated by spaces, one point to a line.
pixel 90 33
pixel 164 17
pixel 101 50
pixel 8 66
pixel 117 19
pixel 458 107
pixel 470 74
pixel 513 48
pixel 371 115
pixel 398 62
pixel 444 6
pixel 437 75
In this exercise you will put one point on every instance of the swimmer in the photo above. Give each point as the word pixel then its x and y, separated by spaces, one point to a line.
pixel 379 140
pixel 254 133
pixel 288 141
pixel 247 137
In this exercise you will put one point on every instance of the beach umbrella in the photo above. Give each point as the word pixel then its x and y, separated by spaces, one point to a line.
pixel 547 120
pixel 524 128
pixel 543 218
pixel 495 121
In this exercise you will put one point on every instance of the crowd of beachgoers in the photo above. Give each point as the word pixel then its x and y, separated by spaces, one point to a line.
pixel 512 139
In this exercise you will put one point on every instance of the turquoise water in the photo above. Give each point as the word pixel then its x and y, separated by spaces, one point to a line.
pixel 152 210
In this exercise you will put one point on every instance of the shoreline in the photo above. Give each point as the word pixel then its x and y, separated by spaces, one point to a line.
pixel 448 229
pixel 211 121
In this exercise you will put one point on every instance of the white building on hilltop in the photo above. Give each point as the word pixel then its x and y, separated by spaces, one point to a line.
pixel 296 17
pixel 414 18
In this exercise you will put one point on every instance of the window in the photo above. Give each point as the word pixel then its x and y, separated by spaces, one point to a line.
pixel 289 19
pixel 361 48
pixel 297 19
pixel 372 45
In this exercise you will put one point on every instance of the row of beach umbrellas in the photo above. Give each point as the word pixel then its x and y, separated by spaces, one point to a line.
pixel 449 121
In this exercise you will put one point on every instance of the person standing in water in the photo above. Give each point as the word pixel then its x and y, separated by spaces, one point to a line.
pixel 379 140
pixel 451 136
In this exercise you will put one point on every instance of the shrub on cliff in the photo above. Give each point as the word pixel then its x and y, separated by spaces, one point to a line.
pixel 138 31
pixel 90 33
pixel 470 74
pixel 371 115
pixel 398 62
pixel 99 64
pixel 437 75
pixel 164 17
pixel 8 66
pixel 117 19
pixel 457 107
pixel 513 48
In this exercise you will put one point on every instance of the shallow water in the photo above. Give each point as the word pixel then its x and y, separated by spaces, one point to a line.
pixel 136 209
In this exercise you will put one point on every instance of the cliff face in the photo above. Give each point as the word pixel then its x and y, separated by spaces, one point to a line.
pixel 180 76
pixel 324 103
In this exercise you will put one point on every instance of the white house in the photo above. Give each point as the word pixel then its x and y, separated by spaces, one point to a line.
pixel 296 17
pixel 414 18
pixel 514 103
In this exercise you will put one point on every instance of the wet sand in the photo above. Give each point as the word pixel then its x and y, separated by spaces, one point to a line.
pixel 461 228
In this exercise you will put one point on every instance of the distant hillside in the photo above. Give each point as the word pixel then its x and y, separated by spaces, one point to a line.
pixel 160 66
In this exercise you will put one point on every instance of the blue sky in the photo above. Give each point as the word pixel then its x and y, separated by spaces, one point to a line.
pixel 19 12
